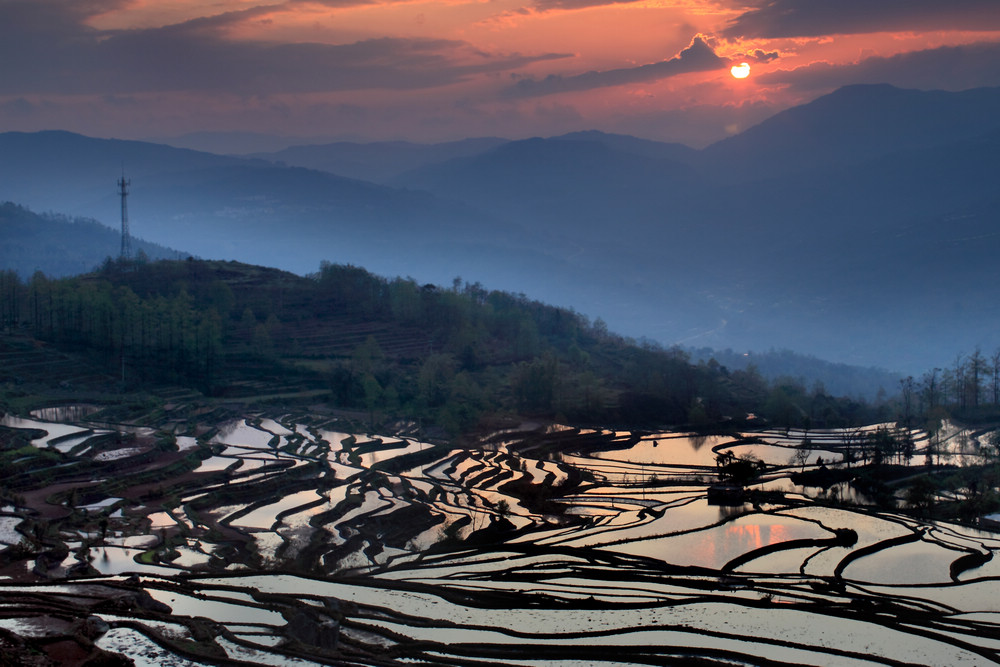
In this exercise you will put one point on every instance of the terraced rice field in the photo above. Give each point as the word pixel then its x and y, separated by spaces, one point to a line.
pixel 295 541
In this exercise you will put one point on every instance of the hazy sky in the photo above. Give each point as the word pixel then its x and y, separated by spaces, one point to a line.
pixel 431 70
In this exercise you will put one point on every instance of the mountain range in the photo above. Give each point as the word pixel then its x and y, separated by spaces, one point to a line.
pixel 860 227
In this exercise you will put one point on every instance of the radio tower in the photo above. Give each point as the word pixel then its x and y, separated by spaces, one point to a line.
pixel 123 184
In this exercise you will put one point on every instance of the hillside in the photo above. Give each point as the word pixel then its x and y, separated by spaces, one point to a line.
pixel 234 208
pixel 461 357
pixel 59 246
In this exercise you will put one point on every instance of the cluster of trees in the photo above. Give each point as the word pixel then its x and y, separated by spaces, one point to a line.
pixel 491 352
pixel 970 389
pixel 495 349
pixel 449 355
pixel 881 446
pixel 169 332
pixel 738 470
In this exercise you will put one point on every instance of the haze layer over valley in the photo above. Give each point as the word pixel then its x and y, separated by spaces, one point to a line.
pixel 858 228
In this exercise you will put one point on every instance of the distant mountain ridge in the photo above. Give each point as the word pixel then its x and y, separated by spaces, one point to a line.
pixel 386 161
pixel 222 206
pixel 854 124
pixel 859 227
pixel 799 229
pixel 378 162
pixel 59 246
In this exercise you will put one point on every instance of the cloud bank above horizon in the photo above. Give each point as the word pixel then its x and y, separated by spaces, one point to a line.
pixel 430 71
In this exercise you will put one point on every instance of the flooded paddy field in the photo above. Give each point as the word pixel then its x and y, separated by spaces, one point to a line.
pixel 294 539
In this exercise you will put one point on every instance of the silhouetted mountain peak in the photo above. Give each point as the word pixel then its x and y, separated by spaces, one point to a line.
pixel 855 124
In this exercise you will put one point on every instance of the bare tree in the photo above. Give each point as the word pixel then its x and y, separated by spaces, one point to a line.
pixel 977 368
pixel 995 368
pixel 907 388
pixel 854 441
pixel 955 380
pixel 930 390
pixel 800 457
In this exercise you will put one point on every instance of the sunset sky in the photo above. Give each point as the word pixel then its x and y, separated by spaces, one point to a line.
pixel 432 70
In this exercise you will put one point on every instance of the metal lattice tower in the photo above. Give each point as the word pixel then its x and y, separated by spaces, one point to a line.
pixel 123 185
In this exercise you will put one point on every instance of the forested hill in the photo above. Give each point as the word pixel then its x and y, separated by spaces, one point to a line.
pixel 458 356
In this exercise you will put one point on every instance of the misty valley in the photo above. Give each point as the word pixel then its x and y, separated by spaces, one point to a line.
pixel 857 228
pixel 632 403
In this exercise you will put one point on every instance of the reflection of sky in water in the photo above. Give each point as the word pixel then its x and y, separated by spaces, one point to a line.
pixel 8 534
pixel 646 626
pixel 161 520
pixel 264 517
pixel 714 547
pixel 52 430
pixel 841 491
pixel 274 427
pixel 186 442
pixel 688 514
pixel 620 502
pixel 786 561
pixel 142 650
pixel 335 438
pixel 65 446
pixel 215 463
pixel 915 563
pixel 389 450
pixel 980 596
pixel 670 450
pixel 782 455
pixel 234 610
pixel 117 560
pixel 869 528
pixel 238 432
pixel 65 413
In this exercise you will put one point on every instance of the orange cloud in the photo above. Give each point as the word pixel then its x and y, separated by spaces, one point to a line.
pixel 697 57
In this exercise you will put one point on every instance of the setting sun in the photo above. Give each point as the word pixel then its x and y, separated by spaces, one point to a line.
pixel 741 71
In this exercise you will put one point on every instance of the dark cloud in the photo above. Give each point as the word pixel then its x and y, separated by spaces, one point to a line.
pixel 762 56
pixel 548 5
pixel 948 68
pixel 46 48
pixel 332 3
pixel 810 18
pixel 697 57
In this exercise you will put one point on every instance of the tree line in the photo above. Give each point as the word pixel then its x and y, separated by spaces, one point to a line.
pixel 968 389
pixel 453 355
pixel 168 334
